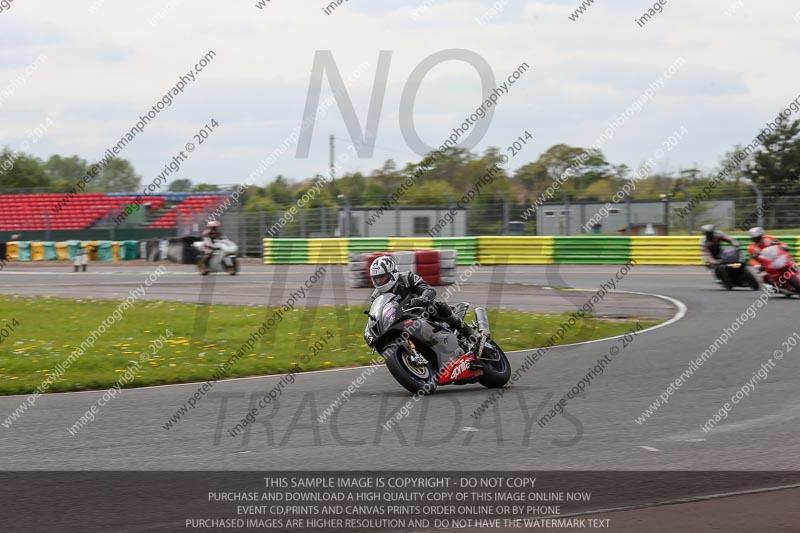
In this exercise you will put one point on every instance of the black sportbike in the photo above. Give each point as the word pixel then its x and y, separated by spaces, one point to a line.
pixel 422 353
pixel 733 269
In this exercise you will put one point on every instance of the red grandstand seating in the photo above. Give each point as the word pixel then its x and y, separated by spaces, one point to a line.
pixel 81 211
pixel 190 208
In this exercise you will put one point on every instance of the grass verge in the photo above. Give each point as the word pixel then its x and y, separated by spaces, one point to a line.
pixel 43 332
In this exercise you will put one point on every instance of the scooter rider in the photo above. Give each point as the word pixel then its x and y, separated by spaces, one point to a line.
pixel 415 292
pixel 712 247
pixel 211 235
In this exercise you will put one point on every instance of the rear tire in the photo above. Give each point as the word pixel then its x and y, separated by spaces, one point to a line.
pixel 725 277
pixel 751 279
pixel 235 268
pixel 495 373
pixel 416 380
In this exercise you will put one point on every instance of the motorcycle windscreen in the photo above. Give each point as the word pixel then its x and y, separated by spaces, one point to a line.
pixel 774 256
pixel 380 311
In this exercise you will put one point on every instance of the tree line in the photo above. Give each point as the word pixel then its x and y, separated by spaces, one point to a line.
pixel 774 165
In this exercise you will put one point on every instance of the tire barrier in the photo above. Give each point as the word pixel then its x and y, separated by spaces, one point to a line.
pixel 105 251
pixel 437 267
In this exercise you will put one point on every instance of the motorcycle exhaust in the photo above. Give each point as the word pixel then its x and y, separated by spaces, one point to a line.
pixel 483 320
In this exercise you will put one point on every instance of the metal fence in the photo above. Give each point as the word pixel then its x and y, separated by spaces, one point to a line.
pixel 250 227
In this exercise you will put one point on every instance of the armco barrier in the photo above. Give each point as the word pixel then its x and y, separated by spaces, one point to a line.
pixel 667 250
pixel 410 243
pixel 367 244
pixel 600 250
pixel 515 250
pixel 290 251
pixel 268 251
pixel 467 248
pixel 325 251
pixel 491 250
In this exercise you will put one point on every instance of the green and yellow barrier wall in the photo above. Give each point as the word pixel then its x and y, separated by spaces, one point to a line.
pixel 489 250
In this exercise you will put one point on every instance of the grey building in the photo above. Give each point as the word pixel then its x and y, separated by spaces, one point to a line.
pixel 405 221
pixel 578 218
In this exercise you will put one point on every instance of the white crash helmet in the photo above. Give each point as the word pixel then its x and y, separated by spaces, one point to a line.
pixel 708 228
pixel 756 233
pixel 383 273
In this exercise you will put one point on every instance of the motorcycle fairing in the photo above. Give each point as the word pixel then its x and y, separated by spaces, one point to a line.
pixel 459 369
pixel 460 309
pixel 385 313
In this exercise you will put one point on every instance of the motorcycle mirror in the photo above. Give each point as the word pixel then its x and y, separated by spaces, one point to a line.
pixel 366 311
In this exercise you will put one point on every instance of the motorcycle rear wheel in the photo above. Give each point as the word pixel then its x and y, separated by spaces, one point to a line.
pixel 415 379
pixel 751 279
pixel 235 268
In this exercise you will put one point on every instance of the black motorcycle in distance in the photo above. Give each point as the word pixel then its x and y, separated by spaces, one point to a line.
pixel 733 269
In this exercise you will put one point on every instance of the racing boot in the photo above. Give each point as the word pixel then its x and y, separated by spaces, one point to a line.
pixel 468 335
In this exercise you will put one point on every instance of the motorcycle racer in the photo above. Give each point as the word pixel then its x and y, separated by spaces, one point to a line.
pixel 712 247
pixel 211 235
pixel 761 241
pixel 415 291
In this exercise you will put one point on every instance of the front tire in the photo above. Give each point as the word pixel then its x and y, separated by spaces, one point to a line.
pixel 416 380
pixel 495 373
pixel 795 284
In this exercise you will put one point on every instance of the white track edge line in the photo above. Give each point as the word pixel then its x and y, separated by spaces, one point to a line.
pixel 679 315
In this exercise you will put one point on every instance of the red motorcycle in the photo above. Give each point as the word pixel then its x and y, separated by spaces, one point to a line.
pixel 780 270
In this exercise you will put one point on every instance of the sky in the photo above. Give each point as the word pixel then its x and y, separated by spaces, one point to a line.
pixel 75 77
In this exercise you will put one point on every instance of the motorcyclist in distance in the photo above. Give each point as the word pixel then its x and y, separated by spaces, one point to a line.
pixel 415 292
pixel 761 241
pixel 712 247
pixel 211 235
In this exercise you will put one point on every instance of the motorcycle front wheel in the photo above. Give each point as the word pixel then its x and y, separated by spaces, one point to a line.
pixel 496 368
pixel 795 284
pixel 415 379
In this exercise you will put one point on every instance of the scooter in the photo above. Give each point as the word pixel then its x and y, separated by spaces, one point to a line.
pixel 223 258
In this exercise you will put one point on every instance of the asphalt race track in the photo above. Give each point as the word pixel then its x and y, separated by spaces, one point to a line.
pixel 598 431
